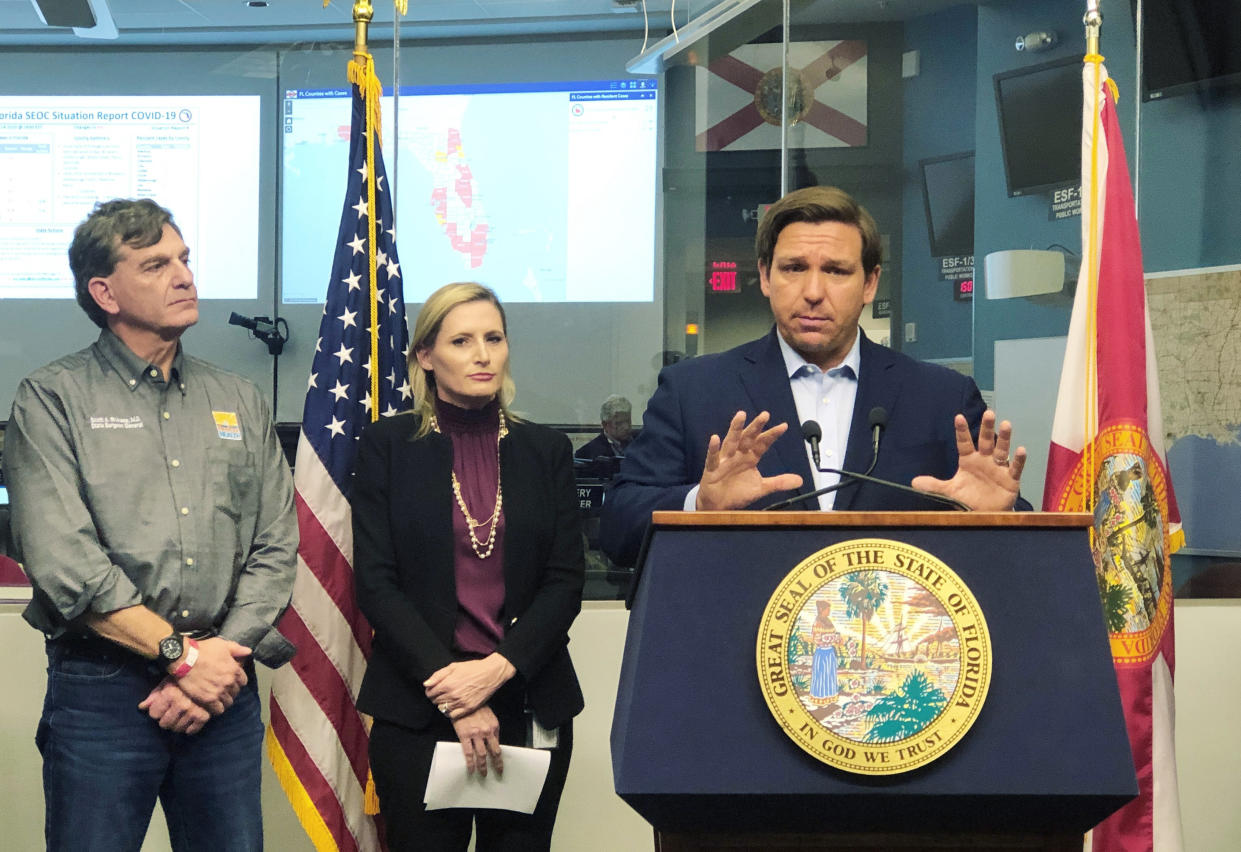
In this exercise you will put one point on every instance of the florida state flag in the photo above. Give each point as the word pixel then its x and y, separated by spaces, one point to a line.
pixel 1107 457
pixel 738 97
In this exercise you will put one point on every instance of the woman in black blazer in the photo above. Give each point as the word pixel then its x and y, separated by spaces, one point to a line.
pixel 469 566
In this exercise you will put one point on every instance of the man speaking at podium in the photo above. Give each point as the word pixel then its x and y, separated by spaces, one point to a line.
pixel 814 387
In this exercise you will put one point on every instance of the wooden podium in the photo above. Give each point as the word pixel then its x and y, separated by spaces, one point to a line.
pixel 696 751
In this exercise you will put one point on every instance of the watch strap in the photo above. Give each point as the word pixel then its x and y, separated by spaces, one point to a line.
pixel 191 657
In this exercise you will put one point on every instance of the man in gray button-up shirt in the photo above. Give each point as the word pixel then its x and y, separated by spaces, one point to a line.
pixel 153 511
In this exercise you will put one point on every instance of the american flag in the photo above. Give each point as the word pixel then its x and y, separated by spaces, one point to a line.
pixel 317 740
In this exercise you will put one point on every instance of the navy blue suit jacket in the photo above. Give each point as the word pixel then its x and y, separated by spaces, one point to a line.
pixel 698 397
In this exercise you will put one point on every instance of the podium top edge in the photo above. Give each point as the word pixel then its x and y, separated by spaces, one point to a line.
pixel 758 519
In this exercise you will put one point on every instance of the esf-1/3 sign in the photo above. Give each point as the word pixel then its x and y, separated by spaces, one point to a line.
pixel 1065 203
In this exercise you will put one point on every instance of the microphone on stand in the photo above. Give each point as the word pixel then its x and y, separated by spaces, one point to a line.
pixel 877 419
pixel 812 433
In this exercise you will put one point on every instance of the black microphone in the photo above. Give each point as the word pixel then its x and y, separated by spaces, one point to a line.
pixel 877 419
pixel 251 323
pixel 812 433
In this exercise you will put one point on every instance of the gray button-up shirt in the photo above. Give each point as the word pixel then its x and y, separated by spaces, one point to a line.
pixel 127 489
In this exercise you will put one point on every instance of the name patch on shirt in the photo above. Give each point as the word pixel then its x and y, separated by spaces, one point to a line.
pixel 227 426
pixel 134 422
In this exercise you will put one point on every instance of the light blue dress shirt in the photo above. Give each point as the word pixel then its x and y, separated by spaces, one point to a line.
pixel 825 397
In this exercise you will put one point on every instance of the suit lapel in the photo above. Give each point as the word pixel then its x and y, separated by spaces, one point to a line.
pixel 878 386
pixel 766 381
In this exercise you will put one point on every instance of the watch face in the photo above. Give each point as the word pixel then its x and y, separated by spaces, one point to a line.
pixel 171 648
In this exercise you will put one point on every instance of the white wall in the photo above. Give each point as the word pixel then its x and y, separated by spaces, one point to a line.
pixel 591 815
pixel 1208 687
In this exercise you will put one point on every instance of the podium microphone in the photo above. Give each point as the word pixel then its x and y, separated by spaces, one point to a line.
pixel 812 433
pixel 877 419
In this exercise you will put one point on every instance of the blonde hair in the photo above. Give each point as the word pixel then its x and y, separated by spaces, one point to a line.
pixel 427 327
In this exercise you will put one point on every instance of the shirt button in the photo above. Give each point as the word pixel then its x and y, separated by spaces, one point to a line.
pixel 185 510
pixel 185 613
pixel 175 462
pixel 189 560
pixel 154 373
pixel 133 382
pixel 167 416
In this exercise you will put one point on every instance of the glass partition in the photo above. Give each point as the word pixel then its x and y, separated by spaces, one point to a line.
pixel 957 124
pixel 948 120
pixel 1189 208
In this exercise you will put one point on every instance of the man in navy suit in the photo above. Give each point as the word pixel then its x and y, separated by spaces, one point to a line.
pixel 602 454
pixel 819 263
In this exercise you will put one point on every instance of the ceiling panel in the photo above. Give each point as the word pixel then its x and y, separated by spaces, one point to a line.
pixel 155 22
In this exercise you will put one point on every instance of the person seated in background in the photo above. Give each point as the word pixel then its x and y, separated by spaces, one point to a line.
pixel 601 455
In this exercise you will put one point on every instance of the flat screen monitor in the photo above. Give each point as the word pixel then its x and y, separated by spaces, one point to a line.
pixel 1040 113
pixel 544 191
pixel 1189 45
pixel 948 196
pixel 194 154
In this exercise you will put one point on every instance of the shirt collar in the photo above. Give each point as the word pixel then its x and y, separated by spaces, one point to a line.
pixel 133 369
pixel 795 364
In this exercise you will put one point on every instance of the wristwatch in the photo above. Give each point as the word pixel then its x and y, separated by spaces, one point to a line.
pixel 171 648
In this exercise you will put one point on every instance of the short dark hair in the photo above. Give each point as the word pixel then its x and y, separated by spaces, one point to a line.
pixel 95 250
pixel 817 204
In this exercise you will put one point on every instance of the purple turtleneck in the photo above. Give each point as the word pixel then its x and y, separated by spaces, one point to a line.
pixel 480 582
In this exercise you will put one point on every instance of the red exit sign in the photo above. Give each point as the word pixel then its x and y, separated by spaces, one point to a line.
pixel 723 277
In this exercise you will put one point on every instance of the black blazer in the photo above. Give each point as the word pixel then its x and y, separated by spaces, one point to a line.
pixel 405 580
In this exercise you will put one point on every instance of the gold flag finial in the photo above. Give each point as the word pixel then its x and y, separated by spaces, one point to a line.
pixel 1093 19
pixel 363 13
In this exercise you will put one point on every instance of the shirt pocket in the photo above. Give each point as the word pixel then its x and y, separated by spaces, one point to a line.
pixel 233 485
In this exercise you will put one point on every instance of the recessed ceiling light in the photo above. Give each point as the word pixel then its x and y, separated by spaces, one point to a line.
pixel 257 4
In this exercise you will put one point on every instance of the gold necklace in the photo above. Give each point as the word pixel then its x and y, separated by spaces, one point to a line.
pixel 471 524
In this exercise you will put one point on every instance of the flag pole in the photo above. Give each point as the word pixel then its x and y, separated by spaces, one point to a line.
pixel 1093 20
pixel 362 75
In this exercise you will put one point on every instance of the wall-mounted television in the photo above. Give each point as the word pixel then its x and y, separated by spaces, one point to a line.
pixel 1189 45
pixel 948 196
pixel 1040 113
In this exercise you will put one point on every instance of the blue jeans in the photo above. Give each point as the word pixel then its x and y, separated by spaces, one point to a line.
pixel 105 762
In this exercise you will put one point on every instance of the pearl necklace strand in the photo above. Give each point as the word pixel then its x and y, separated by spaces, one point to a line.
pixel 471 524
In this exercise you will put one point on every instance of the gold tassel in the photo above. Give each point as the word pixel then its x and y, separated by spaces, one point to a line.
pixel 362 74
pixel 370 805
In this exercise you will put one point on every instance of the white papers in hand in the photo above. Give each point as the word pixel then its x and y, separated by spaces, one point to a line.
pixel 518 789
